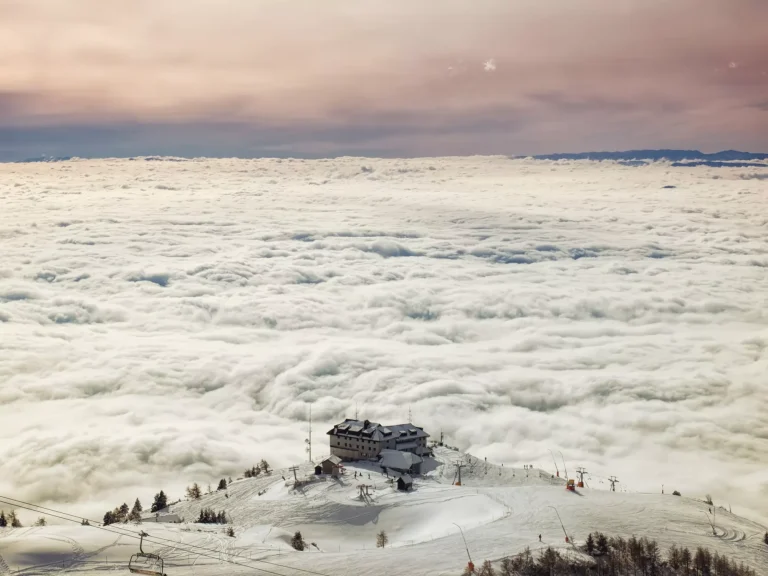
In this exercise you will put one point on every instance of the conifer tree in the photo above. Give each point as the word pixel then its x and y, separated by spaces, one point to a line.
pixel 382 539
pixel 135 514
pixel 264 465
pixel 222 484
pixel 590 546
pixel 13 520
pixel 3 521
pixel 41 521
pixel 298 541
pixel 194 492
pixel 160 502
pixel 487 569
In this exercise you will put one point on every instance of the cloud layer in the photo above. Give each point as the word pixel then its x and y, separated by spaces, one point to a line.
pixel 305 78
pixel 163 322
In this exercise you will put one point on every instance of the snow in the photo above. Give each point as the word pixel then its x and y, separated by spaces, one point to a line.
pixel 501 510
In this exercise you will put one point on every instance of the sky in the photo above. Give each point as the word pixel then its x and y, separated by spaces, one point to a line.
pixel 170 322
pixel 394 79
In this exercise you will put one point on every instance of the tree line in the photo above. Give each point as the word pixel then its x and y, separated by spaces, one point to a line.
pixel 10 520
pixel 122 514
pixel 616 556
pixel 254 471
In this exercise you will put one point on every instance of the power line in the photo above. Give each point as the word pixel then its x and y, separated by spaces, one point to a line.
pixel 57 514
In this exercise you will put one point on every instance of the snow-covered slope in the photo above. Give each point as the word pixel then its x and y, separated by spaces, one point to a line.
pixel 501 511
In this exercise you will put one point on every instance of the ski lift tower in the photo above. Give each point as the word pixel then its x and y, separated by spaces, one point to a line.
pixel 613 481
pixel 581 471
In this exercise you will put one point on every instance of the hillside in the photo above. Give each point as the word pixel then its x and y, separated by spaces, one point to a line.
pixel 501 510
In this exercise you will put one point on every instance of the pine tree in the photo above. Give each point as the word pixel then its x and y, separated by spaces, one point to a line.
pixel 382 539
pixel 298 542
pixel 686 559
pixel 135 514
pixel 765 538
pixel 264 465
pixel 248 474
pixel 3 521
pixel 109 518
pixel 590 546
pixel 602 544
pixel 40 522
pixel 507 567
pixel 13 520
pixel 231 532
pixel 674 557
pixel 222 484
pixel 161 502
pixel 194 492
pixel 487 569
pixel 123 512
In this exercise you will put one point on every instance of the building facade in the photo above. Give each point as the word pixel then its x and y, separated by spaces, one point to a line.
pixel 364 440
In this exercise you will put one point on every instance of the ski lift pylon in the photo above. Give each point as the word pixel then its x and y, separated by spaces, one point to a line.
pixel 144 562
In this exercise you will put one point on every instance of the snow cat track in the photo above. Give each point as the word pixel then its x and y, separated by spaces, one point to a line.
pixel 78 551
pixel 730 534
pixel 4 569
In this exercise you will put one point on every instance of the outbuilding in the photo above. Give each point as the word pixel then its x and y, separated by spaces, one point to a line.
pixel 332 466
pixel 404 483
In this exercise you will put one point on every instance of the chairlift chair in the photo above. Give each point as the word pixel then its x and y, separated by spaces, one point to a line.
pixel 144 562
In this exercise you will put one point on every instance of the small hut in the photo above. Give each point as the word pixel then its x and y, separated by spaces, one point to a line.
pixel 318 470
pixel 332 466
pixel 404 483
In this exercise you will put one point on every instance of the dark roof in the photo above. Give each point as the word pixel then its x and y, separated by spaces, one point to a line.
pixel 333 460
pixel 375 431
pixel 406 478
pixel 397 460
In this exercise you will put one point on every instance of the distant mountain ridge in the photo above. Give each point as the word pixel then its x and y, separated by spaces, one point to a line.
pixel 662 154
pixel 730 158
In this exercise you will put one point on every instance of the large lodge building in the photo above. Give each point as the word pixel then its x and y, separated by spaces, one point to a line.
pixel 363 440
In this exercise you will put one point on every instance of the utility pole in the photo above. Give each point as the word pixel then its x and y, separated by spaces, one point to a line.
pixel 613 481
pixel 555 461
pixel 308 441
pixel 581 471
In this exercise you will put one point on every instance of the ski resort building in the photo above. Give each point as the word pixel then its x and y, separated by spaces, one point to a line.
pixel 397 462
pixel 364 440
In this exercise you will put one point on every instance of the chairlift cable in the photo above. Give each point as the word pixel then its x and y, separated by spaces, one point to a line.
pixel 189 548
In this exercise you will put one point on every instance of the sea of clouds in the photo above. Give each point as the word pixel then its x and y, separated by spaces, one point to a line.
pixel 166 321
